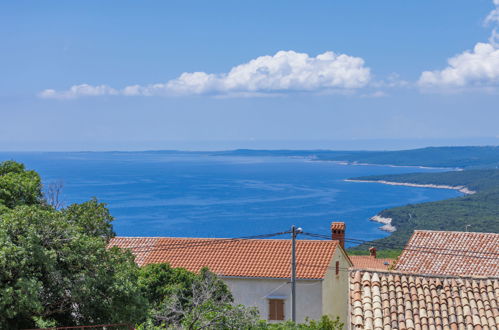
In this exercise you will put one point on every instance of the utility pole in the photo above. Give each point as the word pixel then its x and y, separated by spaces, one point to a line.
pixel 294 231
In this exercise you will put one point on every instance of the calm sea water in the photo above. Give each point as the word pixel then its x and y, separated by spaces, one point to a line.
pixel 199 195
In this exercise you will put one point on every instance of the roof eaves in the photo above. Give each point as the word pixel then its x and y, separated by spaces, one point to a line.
pixel 387 272
pixel 269 278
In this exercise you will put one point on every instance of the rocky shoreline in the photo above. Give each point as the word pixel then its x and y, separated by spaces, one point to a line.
pixel 387 222
pixel 461 189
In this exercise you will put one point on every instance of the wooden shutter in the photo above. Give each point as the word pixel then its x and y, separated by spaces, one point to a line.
pixel 280 309
pixel 276 309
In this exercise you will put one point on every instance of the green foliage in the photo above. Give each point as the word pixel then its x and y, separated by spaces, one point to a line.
pixel 480 210
pixel 325 323
pixel 18 186
pixel 203 301
pixel 91 218
pixel 159 281
pixel 10 166
pixel 53 272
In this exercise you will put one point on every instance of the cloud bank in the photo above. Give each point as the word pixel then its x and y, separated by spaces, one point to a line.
pixel 476 68
pixel 479 67
pixel 282 72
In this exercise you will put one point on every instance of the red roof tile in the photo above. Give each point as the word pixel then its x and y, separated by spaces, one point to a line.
pixel 269 258
pixel 368 262
pixel 451 253
pixel 387 300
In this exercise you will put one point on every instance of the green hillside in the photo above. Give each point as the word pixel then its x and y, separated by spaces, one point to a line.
pixel 476 212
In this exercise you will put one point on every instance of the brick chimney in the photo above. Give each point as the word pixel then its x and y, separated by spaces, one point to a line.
pixel 372 251
pixel 338 232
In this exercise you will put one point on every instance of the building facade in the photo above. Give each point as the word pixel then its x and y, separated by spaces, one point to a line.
pixel 258 271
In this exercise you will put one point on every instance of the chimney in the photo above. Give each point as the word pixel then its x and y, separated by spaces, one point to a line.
pixel 338 232
pixel 372 251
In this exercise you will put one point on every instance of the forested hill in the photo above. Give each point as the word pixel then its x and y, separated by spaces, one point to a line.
pixel 477 212
pixel 462 157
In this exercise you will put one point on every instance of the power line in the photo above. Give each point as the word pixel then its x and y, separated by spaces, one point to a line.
pixel 401 246
pixel 144 248
pixel 428 249
pixel 173 246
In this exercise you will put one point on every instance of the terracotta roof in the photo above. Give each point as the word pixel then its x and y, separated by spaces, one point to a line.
pixel 451 253
pixel 269 258
pixel 140 246
pixel 368 262
pixel 382 300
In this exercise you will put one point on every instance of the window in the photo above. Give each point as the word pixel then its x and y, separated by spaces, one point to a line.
pixel 276 309
pixel 337 267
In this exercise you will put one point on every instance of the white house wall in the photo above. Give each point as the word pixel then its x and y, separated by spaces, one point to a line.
pixel 336 288
pixel 255 293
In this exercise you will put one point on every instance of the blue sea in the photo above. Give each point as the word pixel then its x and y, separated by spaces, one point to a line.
pixel 205 195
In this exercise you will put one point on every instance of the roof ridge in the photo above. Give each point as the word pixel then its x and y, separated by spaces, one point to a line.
pixel 229 238
pixel 453 231
pixel 423 275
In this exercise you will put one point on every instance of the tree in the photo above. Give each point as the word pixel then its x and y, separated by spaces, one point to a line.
pixel 90 218
pixel 208 305
pixel 55 267
pixel 159 281
pixel 19 186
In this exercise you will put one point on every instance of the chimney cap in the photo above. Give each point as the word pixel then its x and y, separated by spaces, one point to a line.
pixel 338 226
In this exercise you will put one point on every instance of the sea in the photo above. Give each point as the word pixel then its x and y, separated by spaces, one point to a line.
pixel 190 194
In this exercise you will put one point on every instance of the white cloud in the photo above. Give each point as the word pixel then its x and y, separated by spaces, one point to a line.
pixel 470 69
pixel 493 16
pixel 284 71
pixel 77 91
pixel 479 67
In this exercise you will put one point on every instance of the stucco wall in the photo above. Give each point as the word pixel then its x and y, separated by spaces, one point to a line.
pixel 255 292
pixel 335 288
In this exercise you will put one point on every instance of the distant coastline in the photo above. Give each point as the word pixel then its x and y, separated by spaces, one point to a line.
pixel 387 222
pixel 344 162
pixel 461 189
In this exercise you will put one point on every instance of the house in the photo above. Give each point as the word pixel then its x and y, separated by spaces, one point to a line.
pixel 371 261
pixel 442 280
pixel 258 270
pixel 395 300
pixel 451 253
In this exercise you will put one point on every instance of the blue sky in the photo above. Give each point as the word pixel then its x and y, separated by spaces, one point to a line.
pixel 101 75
